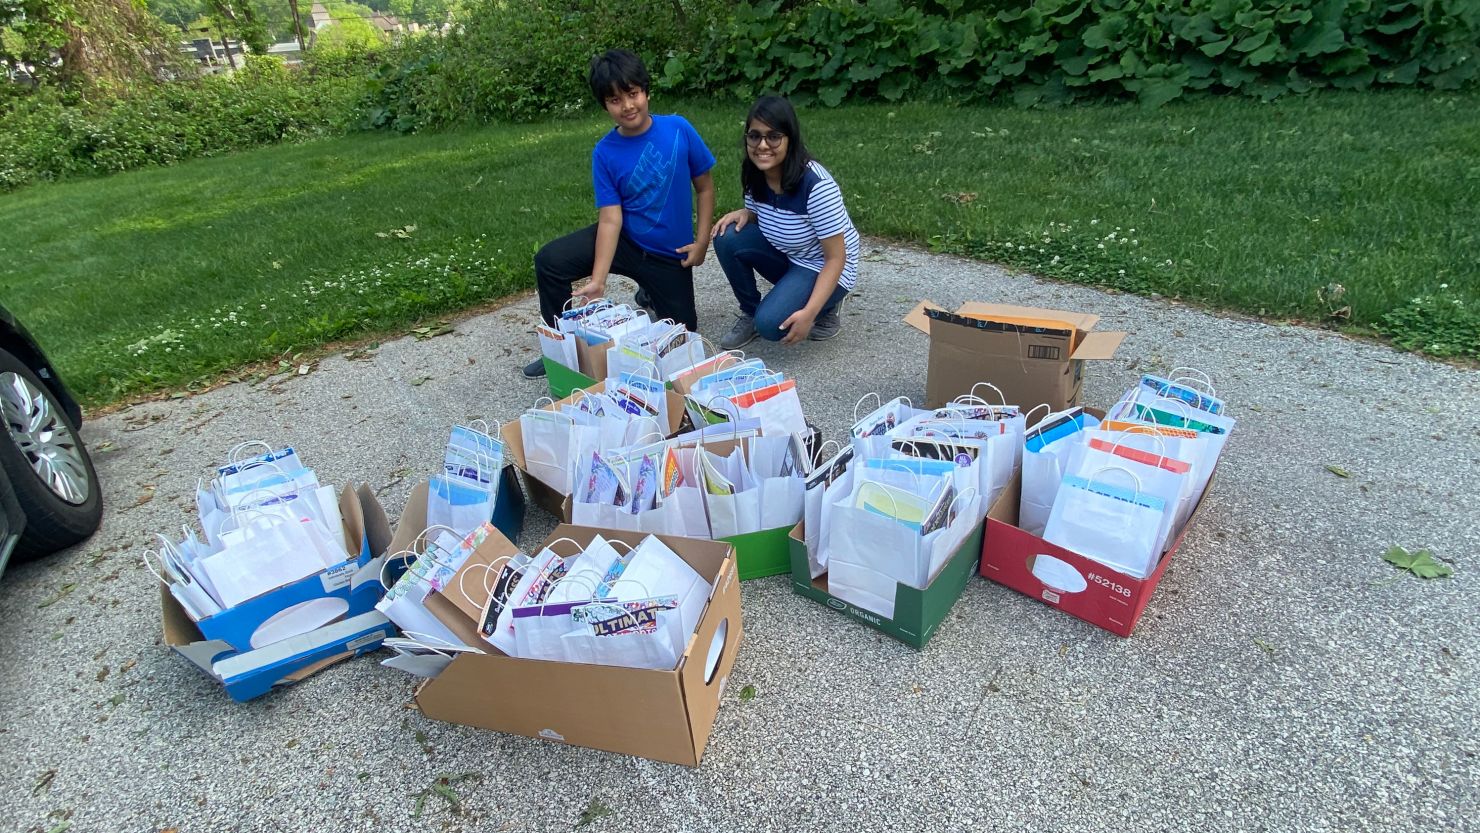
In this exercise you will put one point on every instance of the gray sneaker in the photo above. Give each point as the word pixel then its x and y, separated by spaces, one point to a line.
pixel 535 369
pixel 826 326
pixel 739 335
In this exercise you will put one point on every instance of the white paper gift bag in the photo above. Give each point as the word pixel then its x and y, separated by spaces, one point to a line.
pixel 548 448
pixel 778 478
pixel 878 541
pixel 642 633
pixel 539 576
pixel 686 351
pixel 779 414
pixel 738 511
pixel 458 504
pixel 682 514
pixel 655 570
pixel 870 433
pixel 1047 448
pixel 835 473
pixel 1111 524
pixel 267 553
pixel 1166 477
pixel 558 347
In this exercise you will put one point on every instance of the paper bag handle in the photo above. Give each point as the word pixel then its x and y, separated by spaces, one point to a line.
pixel 1034 410
pixel 1201 376
pixel 232 459
pixel 487 588
pixel 951 508
pixel 1000 394
pixel 1043 423
pixel 150 567
pixel 1127 472
pixel 550 548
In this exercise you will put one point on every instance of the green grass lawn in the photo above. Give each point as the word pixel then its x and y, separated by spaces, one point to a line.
pixel 158 278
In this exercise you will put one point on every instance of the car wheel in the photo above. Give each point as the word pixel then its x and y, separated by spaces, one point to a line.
pixel 48 466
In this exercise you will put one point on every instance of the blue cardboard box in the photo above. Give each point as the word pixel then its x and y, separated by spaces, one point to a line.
pixel 343 596
pixel 344 590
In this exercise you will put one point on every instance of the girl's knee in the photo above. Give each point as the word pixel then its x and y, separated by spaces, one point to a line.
pixel 768 324
pixel 727 244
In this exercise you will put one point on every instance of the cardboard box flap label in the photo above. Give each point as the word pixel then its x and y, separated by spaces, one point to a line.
pixel 918 319
pixel 1079 320
pixel 1098 346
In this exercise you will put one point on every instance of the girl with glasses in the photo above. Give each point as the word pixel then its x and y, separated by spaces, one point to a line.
pixel 794 231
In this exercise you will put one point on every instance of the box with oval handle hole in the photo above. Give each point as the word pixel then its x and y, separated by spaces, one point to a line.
pixel 1062 578
pixel 289 633
pixel 673 710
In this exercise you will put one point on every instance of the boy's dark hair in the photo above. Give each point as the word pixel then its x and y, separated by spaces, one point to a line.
pixel 778 113
pixel 616 70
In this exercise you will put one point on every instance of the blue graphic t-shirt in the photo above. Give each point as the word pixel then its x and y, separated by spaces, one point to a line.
pixel 648 175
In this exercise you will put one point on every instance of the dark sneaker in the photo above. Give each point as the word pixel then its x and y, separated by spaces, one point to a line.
pixel 642 298
pixel 826 326
pixel 739 335
pixel 535 369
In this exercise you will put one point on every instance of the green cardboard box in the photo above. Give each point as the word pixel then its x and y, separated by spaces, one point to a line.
pixel 564 381
pixel 764 553
pixel 917 613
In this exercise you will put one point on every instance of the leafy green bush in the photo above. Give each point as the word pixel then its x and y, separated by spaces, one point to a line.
pixel 1052 51
pixel 514 60
pixel 46 135
pixel 1436 324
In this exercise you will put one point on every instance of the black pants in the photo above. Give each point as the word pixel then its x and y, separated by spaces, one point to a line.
pixel 566 260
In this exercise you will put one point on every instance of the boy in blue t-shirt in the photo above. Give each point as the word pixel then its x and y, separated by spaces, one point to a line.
pixel 642 171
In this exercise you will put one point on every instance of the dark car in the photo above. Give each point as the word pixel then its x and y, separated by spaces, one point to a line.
pixel 49 495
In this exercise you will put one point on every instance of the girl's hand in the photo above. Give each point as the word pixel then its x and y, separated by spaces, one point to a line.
pixel 797 326
pixel 738 219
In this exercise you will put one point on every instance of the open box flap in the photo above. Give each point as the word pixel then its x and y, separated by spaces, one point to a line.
pixel 977 309
pixel 1098 346
pixel 413 520
pixel 918 319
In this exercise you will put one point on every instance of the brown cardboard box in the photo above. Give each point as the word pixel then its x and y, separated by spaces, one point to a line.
pixel 1038 358
pixel 668 714
pixel 547 498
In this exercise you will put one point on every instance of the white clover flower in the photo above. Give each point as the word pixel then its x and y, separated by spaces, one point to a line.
pixel 1094 222
pixel 1443 286
pixel 1099 245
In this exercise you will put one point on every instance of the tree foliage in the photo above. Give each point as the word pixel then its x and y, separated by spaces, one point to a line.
pixel 86 43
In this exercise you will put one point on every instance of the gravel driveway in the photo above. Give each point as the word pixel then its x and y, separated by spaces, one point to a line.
pixel 1284 677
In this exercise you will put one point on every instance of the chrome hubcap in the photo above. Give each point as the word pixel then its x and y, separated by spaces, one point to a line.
pixel 44 438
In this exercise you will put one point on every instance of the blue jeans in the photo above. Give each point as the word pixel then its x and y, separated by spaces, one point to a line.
pixel 745 252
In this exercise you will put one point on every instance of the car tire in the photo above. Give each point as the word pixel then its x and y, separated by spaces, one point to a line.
pixel 41 447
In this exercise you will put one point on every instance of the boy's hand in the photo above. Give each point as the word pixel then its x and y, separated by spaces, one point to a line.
pixel 591 289
pixel 693 254
pixel 797 326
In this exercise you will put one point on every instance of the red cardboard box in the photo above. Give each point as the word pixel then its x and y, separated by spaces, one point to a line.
pixel 1063 578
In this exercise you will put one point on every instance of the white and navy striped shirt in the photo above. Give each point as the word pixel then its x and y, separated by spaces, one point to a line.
pixel 797 221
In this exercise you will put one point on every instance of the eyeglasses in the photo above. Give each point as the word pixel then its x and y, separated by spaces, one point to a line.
pixel 773 139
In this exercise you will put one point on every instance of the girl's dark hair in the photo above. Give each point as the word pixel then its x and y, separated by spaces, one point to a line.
pixel 616 70
pixel 778 113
